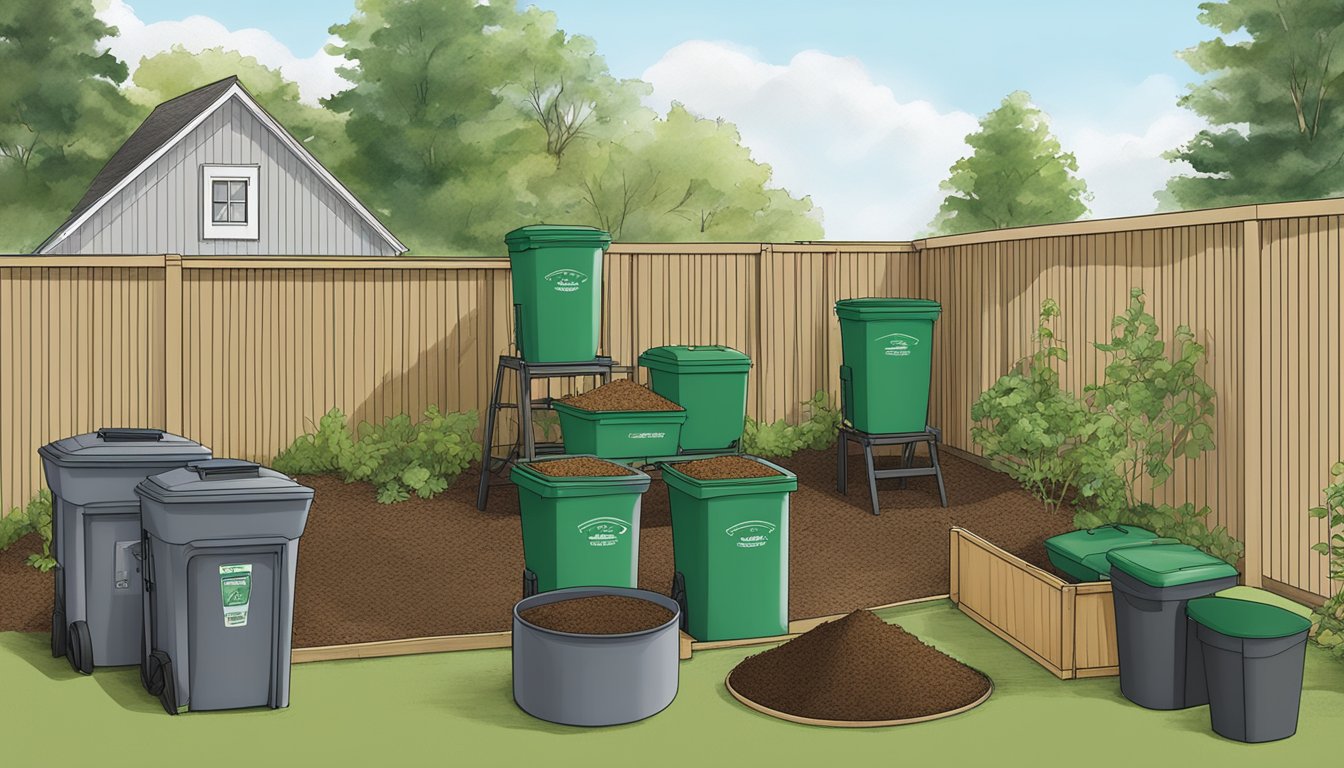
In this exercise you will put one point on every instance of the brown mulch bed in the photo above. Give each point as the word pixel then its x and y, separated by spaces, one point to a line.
pixel 725 468
pixel 621 395
pixel 369 571
pixel 858 669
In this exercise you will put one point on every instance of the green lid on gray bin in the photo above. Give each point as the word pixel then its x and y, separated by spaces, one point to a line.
pixel 222 480
pixel 695 358
pixel 124 447
pixel 887 309
pixel 1245 619
pixel 1169 565
pixel 555 235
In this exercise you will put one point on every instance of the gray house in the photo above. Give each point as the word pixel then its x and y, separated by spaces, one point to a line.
pixel 210 173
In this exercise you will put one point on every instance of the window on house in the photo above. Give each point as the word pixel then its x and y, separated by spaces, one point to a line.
pixel 230 201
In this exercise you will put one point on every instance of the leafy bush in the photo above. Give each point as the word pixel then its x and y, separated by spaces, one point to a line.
pixel 816 432
pixel 1041 435
pixel 1162 408
pixel 35 517
pixel 397 457
pixel 1328 620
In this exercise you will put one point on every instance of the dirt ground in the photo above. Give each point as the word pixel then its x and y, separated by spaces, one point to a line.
pixel 369 571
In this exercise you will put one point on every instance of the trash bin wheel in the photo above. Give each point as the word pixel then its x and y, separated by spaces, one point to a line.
pixel 529 583
pixel 79 648
pixel 58 630
pixel 679 594
pixel 159 680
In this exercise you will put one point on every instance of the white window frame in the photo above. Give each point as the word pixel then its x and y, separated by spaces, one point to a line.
pixel 216 230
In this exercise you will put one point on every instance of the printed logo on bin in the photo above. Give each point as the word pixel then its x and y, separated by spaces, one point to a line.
pixel 604 531
pixel 646 435
pixel 751 534
pixel 897 344
pixel 566 280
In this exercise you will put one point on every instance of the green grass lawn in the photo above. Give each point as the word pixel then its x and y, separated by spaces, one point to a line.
pixel 457 709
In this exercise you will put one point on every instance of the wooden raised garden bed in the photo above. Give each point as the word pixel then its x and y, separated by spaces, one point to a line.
pixel 1067 628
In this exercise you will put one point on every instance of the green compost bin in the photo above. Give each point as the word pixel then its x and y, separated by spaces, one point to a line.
pixel 1082 553
pixel 730 544
pixel 619 434
pixel 579 531
pixel 710 382
pixel 887 348
pixel 557 291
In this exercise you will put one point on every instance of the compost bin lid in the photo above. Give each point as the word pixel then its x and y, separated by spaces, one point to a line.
pixel 534 235
pixel 695 357
pixel 1169 565
pixel 223 480
pixel 1097 560
pixel 888 309
pixel 1076 545
pixel 124 446
pixel 1246 619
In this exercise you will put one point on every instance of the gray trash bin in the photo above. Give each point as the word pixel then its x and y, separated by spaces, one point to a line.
pixel 1253 660
pixel 1160 662
pixel 95 538
pixel 222 539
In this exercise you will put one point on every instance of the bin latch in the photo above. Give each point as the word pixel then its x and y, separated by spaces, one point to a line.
pixel 226 469
pixel 130 434
pixel 125 562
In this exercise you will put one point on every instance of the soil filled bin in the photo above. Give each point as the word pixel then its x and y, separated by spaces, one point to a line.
pixel 620 420
pixel 222 539
pixel 557 291
pixel 1161 666
pixel 710 382
pixel 888 355
pixel 1254 655
pixel 730 543
pixel 857 671
pixel 97 611
pixel 584 673
pixel 1082 554
pixel 580 520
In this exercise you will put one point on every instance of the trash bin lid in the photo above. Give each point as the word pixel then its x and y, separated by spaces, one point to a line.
pixel 222 480
pixel 1076 545
pixel 695 358
pixel 124 446
pixel 1169 565
pixel 1097 560
pixel 1243 592
pixel 1245 618
pixel 534 235
pixel 888 309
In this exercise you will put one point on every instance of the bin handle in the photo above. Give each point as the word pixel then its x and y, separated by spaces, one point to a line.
pixel 1116 526
pixel 226 469
pixel 130 434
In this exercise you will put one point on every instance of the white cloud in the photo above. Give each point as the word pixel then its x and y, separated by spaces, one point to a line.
pixel 872 162
pixel 315 74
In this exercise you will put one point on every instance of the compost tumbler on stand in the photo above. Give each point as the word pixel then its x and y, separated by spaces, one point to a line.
pixel 95 538
pixel 222 540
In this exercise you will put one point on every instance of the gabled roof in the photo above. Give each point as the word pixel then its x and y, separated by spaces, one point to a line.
pixel 168 124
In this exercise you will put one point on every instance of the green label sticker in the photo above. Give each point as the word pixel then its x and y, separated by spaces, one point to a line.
pixel 235 588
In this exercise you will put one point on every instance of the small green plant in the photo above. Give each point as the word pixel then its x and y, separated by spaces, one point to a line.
pixel 816 432
pixel 35 517
pixel 1328 621
pixel 397 457
pixel 1039 434
pixel 1161 406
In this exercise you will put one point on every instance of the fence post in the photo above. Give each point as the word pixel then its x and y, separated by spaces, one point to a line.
pixel 1252 470
pixel 172 343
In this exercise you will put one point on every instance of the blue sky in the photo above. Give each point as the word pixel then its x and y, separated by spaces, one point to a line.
pixel 842 98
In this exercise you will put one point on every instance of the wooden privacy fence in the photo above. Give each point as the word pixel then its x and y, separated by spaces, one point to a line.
pixel 244 354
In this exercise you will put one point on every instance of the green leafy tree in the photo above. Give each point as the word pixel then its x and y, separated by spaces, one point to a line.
pixel 1273 102
pixel 61 113
pixel 174 72
pixel 1017 176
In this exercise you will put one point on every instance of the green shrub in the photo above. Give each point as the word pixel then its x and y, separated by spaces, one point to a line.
pixel 816 432
pixel 1041 435
pixel 1328 620
pixel 35 517
pixel 397 457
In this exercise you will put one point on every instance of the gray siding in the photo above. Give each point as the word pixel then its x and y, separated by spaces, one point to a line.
pixel 160 211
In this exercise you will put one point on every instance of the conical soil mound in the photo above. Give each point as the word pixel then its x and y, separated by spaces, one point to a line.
pixel 858 668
